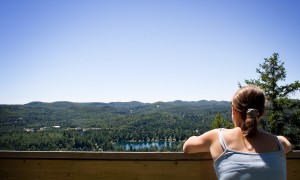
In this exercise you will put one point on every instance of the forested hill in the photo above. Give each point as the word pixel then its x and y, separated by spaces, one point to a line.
pixel 114 114
pixel 100 126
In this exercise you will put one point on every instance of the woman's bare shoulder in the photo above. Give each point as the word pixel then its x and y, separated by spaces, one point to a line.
pixel 211 135
pixel 267 137
pixel 200 143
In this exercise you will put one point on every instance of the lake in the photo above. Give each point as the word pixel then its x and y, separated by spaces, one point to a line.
pixel 140 145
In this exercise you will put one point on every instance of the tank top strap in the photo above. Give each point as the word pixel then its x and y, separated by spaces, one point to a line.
pixel 279 144
pixel 221 139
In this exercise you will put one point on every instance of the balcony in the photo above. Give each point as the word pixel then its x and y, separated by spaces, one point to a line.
pixel 116 165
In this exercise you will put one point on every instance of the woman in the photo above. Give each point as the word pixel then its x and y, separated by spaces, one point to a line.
pixel 244 152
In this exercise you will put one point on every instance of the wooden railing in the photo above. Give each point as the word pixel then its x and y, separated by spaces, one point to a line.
pixel 116 165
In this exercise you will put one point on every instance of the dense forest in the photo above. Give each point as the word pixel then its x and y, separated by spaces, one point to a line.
pixel 101 126
pixel 68 126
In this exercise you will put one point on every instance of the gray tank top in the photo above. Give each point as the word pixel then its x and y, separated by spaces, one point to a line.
pixel 233 164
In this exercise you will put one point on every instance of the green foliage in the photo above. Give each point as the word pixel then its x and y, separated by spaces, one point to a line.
pixel 220 122
pixel 100 126
pixel 282 116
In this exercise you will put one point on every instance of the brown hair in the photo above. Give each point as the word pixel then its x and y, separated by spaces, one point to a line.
pixel 249 102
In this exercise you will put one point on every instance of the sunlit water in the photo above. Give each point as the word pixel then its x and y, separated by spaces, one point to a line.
pixel 140 145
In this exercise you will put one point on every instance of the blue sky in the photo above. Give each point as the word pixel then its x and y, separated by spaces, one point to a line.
pixel 141 50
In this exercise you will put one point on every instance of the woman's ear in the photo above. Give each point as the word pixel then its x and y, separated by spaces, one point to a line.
pixel 235 117
pixel 233 114
pixel 232 109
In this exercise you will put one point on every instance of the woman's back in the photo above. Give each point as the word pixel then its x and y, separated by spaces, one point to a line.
pixel 242 159
pixel 262 142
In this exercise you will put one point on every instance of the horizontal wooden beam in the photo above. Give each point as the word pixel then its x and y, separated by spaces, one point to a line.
pixel 160 156
pixel 114 155
pixel 116 165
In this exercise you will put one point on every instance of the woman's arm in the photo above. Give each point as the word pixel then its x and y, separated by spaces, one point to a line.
pixel 200 143
pixel 287 147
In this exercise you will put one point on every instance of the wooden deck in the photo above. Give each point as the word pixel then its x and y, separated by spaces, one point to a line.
pixel 116 165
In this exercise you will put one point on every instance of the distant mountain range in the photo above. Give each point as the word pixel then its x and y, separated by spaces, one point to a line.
pixel 95 114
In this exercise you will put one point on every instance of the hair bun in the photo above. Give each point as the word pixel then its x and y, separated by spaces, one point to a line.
pixel 253 113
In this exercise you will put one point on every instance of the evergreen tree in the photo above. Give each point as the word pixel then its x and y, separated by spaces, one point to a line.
pixel 220 122
pixel 271 73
